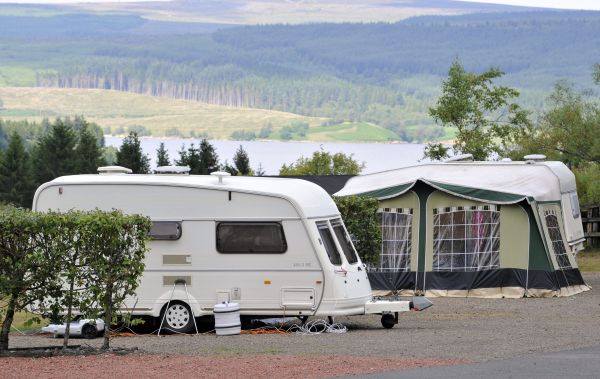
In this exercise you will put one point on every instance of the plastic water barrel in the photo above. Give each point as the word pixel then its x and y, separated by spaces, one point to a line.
pixel 227 319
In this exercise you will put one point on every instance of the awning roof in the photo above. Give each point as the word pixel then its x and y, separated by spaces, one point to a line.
pixel 497 182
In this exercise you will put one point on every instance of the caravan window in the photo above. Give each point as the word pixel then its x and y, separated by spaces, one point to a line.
pixel 250 238
pixel 466 238
pixel 575 205
pixel 558 244
pixel 344 240
pixel 165 230
pixel 327 240
pixel 396 238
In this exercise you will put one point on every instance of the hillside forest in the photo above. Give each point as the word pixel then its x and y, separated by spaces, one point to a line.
pixel 385 74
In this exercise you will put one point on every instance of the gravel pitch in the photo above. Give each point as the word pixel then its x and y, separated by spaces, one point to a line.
pixel 453 330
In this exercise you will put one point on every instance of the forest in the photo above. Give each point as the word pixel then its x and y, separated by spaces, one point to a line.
pixel 384 73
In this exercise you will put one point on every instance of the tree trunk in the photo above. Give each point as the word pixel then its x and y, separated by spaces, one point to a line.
pixel 107 317
pixel 8 319
pixel 69 313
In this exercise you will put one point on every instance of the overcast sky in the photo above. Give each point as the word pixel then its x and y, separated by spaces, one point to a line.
pixel 565 4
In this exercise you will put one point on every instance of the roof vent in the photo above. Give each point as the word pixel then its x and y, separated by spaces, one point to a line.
pixel 505 160
pixel 111 170
pixel 460 158
pixel 172 170
pixel 220 175
pixel 533 158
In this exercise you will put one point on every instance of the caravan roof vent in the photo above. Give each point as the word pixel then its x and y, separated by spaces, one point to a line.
pixel 460 158
pixel 172 170
pixel 505 160
pixel 532 158
pixel 111 170
pixel 220 175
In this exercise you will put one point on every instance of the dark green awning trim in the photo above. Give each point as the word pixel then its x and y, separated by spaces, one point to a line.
pixel 384 193
pixel 478 193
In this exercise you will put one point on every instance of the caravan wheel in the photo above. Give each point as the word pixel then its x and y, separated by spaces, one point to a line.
pixel 178 318
pixel 388 320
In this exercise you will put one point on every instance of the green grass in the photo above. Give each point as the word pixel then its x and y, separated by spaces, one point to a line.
pixel 116 109
pixel 352 131
pixel 589 260
pixel 17 76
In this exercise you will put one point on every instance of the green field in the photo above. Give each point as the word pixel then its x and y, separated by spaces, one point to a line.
pixel 121 110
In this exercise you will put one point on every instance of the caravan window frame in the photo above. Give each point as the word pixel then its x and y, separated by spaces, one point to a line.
pixel 220 248
pixel 333 253
pixel 344 241
pixel 165 236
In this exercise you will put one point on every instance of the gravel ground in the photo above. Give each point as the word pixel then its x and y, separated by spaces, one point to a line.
pixel 471 330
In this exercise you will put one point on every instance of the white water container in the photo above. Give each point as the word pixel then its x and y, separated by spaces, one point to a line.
pixel 227 319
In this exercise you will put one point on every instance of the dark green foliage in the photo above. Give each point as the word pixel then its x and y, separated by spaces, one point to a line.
pixel 486 115
pixel 88 154
pixel 436 151
pixel 43 256
pixel 162 156
pixel 54 154
pixel 130 155
pixel 242 162
pixel 191 158
pixel 360 216
pixel 208 158
pixel 243 135
pixel 16 186
pixel 28 264
pixel 323 163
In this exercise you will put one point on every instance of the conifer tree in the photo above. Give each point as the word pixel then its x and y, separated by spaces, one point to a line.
pixel 15 175
pixel 242 162
pixel 130 155
pixel 190 158
pixel 88 153
pixel 162 156
pixel 209 160
pixel 54 154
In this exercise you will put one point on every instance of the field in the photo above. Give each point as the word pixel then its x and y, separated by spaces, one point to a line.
pixel 120 111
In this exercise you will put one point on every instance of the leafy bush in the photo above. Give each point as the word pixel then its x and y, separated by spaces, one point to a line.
pixel 360 216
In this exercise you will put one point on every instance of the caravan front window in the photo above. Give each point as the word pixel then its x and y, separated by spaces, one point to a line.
pixel 558 245
pixel 344 240
pixel 328 243
pixel 250 238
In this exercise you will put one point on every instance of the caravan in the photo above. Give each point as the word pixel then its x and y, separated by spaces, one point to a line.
pixel 275 246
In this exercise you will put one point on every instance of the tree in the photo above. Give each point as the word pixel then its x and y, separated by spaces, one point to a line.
pixel 242 162
pixel 54 154
pixel 88 153
pixel 208 158
pixel 323 163
pixel 16 185
pixel 486 118
pixel 162 156
pixel 130 155
pixel 567 131
pixel 28 265
pixel 190 158
pixel 360 216
pixel 116 246
pixel 260 171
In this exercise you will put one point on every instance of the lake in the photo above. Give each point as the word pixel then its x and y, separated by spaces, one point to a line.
pixel 272 154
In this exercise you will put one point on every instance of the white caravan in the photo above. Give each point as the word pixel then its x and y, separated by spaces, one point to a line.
pixel 275 246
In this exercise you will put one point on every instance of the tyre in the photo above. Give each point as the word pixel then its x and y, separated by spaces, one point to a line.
pixel 178 318
pixel 89 331
pixel 388 320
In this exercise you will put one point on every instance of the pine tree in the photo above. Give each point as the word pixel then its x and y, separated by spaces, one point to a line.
pixel 88 153
pixel 209 160
pixel 130 155
pixel 242 162
pixel 15 176
pixel 54 154
pixel 162 156
pixel 260 171
pixel 190 158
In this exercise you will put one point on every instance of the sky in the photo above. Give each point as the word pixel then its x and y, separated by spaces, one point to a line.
pixel 563 4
